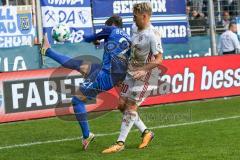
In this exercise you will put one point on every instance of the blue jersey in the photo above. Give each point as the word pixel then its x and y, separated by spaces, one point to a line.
pixel 116 44
pixel 114 65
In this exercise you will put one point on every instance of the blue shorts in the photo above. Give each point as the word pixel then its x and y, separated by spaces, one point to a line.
pixel 100 80
pixel 96 82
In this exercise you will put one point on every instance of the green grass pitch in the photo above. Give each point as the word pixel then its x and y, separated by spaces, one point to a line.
pixel 200 130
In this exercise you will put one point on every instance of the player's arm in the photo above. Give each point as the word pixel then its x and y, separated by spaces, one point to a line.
pixel 155 63
pixel 236 43
pixel 141 72
pixel 103 34
pixel 157 50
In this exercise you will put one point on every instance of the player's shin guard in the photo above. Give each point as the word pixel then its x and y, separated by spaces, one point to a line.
pixel 81 116
pixel 65 61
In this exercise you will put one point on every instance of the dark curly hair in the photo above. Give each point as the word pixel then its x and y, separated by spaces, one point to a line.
pixel 116 20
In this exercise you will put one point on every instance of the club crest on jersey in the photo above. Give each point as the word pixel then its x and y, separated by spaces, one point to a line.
pixel 134 94
pixel 140 38
pixel 110 46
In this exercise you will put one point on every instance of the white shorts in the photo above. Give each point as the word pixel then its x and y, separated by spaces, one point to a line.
pixel 138 90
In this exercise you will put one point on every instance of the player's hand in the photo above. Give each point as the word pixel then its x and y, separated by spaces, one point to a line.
pixel 139 74
pixel 97 42
pixel 88 38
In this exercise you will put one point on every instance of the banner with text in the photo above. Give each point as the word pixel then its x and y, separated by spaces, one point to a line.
pixel 44 93
pixel 76 14
pixel 19 58
pixel 16 27
pixel 170 19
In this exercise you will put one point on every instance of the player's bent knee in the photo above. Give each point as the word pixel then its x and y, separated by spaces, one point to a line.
pixel 76 100
pixel 122 104
pixel 133 108
pixel 131 105
pixel 79 95
pixel 122 107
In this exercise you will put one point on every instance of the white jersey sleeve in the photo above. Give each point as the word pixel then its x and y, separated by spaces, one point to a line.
pixel 236 43
pixel 156 43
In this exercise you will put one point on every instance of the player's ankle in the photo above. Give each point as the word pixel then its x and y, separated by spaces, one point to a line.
pixel 146 131
pixel 121 143
pixel 46 51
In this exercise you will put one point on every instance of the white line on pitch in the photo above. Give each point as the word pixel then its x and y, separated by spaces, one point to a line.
pixel 154 106
pixel 114 133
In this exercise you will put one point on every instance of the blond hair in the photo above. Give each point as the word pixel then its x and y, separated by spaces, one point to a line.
pixel 143 7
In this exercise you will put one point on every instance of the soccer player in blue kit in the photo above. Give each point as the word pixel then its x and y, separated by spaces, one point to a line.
pixel 98 77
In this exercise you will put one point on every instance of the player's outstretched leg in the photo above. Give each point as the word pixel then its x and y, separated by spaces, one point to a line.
pixel 62 59
pixel 81 116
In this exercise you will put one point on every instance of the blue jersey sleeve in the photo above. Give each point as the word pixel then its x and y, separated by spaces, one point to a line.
pixel 104 34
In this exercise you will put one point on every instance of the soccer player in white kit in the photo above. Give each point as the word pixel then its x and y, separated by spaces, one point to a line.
pixel 142 76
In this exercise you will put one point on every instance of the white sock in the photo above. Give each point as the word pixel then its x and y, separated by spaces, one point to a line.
pixel 139 124
pixel 128 120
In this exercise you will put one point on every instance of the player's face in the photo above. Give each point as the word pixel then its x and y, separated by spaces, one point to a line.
pixel 141 20
pixel 234 28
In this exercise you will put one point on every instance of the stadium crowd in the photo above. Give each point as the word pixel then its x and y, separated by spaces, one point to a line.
pixel 225 11
pixel 15 2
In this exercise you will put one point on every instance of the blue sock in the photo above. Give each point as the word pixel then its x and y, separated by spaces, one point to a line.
pixel 65 61
pixel 81 116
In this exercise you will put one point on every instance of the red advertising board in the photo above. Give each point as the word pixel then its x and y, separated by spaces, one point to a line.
pixel 30 94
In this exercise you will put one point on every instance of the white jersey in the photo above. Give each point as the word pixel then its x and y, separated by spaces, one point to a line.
pixel 145 44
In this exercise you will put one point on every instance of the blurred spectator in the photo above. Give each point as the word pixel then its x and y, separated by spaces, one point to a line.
pixel 222 5
pixel 189 3
pixel 197 5
pixel 188 11
pixel 24 2
pixel 2 2
pixel 197 19
pixel 18 2
pixel 229 43
pixel 196 16
pixel 226 19
pixel 233 7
